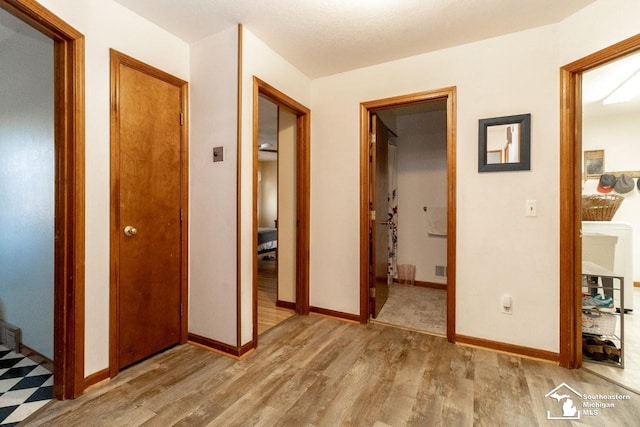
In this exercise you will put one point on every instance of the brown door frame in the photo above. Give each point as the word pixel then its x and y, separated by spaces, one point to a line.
pixel 117 59
pixel 303 121
pixel 571 194
pixel 68 360
pixel 366 108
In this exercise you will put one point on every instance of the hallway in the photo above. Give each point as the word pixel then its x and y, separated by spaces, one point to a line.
pixel 314 370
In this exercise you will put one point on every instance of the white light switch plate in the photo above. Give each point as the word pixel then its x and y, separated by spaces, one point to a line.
pixel 531 208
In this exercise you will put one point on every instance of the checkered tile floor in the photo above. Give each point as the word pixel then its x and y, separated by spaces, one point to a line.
pixel 25 387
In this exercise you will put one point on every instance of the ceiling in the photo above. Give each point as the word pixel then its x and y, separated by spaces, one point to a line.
pixel 598 83
pixel 324 37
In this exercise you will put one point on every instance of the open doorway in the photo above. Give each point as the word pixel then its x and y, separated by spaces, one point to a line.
pixel 408 211
pixel 27 194
pixel 585 116
pixel 610 228
pixel 281 208
pixel 276 214
pixel 411 238
pixel 62 160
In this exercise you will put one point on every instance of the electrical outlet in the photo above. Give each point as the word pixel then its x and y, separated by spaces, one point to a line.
pixel 507 304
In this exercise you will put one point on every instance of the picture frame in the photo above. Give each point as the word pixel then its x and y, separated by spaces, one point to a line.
pixel 593 163
pixel 507 137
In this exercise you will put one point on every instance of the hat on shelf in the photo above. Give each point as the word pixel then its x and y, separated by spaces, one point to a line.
pixel 624 184
pixel 606 184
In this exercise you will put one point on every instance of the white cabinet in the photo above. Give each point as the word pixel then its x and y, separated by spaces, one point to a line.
pixel 611 253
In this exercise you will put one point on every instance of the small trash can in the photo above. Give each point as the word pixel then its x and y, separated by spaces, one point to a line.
pixel 406 274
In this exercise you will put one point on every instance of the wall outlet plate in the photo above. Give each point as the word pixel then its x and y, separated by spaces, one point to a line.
pixel 507 304
pixel 218 154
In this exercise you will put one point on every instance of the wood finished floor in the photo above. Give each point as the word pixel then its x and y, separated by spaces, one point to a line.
pixel 269 314
pixel 318 371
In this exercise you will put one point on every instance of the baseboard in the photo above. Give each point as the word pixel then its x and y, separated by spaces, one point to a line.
pixel 509 348
pixel 220 347
pixel 431 285
pixel 96 377
pixel 422 284
pixel 286 304
pixel 334 313
pixel 28 351
pixel 246 348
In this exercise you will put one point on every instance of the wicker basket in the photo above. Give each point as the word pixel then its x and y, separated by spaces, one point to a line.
pixel 598 323
pixel 600 207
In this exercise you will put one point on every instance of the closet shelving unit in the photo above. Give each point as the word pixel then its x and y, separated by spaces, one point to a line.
pixel 617 287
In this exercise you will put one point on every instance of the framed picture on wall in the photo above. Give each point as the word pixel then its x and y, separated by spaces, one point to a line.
pixel 593 163
pixel 504 143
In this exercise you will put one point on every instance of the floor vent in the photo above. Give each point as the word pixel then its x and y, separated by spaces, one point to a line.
pixel 441 271
pixel 10 336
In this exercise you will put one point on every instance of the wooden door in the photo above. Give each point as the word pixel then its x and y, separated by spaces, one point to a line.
pixel 379 230
pixel 148 188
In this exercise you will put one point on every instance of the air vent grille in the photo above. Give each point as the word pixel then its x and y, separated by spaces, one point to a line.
pixel 441 270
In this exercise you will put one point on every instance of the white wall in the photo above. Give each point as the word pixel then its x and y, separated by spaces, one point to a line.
pixel 422 181
pixel 107 24
pixel 27 187
pixel 499 250
pixel 287 217
pixel 597 26
pixel 267 193
pixel 213 219
pixel 618 135
pixel 261 61
pixel 490 206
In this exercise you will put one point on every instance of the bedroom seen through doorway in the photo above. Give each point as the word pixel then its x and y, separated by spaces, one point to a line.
pixel 281 132
pixel 276 214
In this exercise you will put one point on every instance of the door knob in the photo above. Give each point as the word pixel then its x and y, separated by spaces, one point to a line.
pixel 130 230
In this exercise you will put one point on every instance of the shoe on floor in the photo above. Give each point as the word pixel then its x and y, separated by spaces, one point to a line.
pixel 589 302
pixel 604 302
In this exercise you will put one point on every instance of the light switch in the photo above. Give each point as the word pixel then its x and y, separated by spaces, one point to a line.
pixel 531 208
pixel 218 154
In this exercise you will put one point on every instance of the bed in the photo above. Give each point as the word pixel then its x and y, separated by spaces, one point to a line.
pixel 267 239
